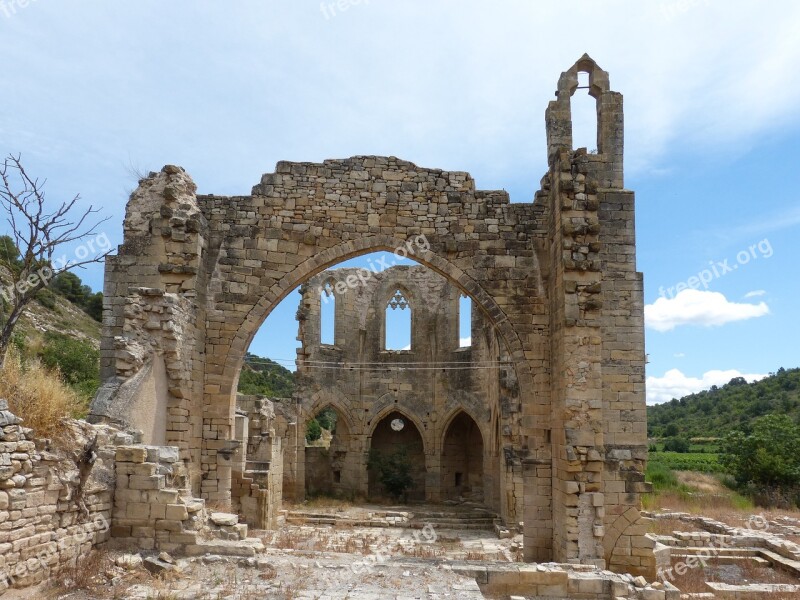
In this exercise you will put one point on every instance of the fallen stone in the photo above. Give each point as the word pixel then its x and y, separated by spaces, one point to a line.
pixel 224 519
pixel 129 561
pixel 157 566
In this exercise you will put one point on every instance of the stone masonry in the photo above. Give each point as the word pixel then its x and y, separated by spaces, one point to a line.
pixel 55 504
pixel 462 403
pixel 197 275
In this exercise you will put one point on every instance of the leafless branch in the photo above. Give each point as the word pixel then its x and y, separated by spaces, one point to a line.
pixel 39 232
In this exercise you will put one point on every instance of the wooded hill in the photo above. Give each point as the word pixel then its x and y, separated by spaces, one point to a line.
pixel 715 412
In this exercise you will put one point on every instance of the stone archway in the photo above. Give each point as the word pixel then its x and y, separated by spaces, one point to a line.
pixel 333 468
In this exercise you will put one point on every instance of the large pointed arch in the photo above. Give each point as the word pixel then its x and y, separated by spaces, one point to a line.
pixel 346 250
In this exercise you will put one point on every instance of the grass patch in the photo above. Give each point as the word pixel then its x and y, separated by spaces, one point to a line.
pixel 39 395
pixel 692 492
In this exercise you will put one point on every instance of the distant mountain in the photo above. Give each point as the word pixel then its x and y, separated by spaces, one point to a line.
pixel 715 412
pixel 265 377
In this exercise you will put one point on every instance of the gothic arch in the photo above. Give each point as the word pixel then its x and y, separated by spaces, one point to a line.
pixel 452 415
pixel 327 258
pixel 334 399
pixel 408 415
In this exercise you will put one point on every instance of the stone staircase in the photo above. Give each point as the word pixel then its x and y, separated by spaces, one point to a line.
pixel 460 518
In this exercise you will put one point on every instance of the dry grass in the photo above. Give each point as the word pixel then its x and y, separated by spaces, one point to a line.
pixel 702 482
pixel 38 396
pixel 668 526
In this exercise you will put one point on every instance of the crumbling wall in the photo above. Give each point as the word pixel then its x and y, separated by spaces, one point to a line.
pixel 55 500
pixel 258 463
pixel 150 365
pixel 155 510
pixel 556 279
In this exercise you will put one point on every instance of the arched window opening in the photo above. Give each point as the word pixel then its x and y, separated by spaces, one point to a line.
pixel 584 116
pixel 398 322
pixel 464 321
pixel 327 315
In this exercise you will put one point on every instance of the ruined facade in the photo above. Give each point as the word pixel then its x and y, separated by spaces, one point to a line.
pixel 197 275
pixel 452 408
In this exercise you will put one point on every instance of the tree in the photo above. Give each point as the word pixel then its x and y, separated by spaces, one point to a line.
pixel 677 445
pixel 38 233
pixel 768 457
pixel 671 430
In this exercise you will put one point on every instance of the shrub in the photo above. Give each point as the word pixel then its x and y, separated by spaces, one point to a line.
pixel 394 471
pixel 76 360
pixel 661 476
pixel 38 395
pixel 313 431
pixel 676 445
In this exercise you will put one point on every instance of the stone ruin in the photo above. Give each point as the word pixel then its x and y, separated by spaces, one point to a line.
pixel 556 279
pixel 456 406
pixel 556 427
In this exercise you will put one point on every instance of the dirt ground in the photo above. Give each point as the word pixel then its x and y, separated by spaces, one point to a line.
pixel 300 562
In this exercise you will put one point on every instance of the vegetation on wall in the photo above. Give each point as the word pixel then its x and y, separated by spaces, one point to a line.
pixel 38 395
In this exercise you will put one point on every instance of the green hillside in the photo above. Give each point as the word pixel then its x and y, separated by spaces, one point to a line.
pixel 735 405
pixel 58 329
pixel 264 377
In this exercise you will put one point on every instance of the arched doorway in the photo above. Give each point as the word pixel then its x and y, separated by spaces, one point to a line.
pixel 331 468
pixel 397 440
pixel 462 460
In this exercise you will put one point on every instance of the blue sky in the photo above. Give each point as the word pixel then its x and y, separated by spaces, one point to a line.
pixel 93 90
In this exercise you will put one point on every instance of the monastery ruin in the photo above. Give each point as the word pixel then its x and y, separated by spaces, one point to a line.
pixel 540 418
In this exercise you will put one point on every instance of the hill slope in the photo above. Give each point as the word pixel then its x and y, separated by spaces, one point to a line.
pixel 264 377
pixel 715 412
pixel 52 314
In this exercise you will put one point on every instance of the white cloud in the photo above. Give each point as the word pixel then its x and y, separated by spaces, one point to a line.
pixel 674 384
pixel 699 307
pixel 679 355
pixel 465 342
pixel 755 294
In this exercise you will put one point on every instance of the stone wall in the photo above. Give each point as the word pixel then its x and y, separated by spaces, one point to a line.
pixel 55 499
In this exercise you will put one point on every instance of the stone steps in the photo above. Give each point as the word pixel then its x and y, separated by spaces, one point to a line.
pixel 477 520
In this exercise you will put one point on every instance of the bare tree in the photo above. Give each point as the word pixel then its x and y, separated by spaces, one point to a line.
pixel 40 234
